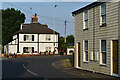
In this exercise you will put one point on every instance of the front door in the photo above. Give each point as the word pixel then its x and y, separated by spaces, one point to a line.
pixel 115 57
pixel 78 54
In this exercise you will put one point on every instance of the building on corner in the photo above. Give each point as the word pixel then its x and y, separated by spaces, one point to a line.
pixel 97 38
pixel 33 38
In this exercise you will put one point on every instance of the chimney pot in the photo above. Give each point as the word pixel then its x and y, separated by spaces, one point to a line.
pixel 35 15
pixel 34 19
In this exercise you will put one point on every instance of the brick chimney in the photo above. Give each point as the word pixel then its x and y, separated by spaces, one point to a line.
pixel 34 19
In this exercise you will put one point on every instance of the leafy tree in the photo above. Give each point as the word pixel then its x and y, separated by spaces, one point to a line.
pixel 11 20
pixel 0 27
pixel 61 41
pixel 70 39
pixel 62 45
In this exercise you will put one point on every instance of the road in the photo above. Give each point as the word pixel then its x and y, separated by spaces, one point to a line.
pixel 34 67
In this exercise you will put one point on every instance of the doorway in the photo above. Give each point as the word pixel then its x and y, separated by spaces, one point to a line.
pixel 115 57
pixel 79 55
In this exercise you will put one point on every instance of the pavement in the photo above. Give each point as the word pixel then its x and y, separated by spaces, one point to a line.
pixel 80 72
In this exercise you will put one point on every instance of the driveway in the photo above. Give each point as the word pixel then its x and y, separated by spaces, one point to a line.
pixel 34 67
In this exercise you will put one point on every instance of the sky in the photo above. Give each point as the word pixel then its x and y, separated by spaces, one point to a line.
pixel 45 12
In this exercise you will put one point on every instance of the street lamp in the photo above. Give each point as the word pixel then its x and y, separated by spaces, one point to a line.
pixel 54 26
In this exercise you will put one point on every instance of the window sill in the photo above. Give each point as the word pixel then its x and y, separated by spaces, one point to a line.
pixel 85 61
pixel 103 25
pixel 103 65
pixel 85 29
pixel 28 40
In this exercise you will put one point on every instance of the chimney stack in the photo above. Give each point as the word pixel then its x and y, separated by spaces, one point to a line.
pixel 34 19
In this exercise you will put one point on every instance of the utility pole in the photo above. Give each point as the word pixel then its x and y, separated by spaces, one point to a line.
pixel 31 12
pixel 65 30
pixel 54 25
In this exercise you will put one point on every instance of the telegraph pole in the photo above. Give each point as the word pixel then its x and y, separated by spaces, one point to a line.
pixel 31 12
pixel 54 25
pixel 65 30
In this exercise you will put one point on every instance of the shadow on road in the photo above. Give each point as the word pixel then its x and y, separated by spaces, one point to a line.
pixel 16 70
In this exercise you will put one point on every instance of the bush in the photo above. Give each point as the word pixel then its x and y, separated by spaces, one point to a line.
pixel 71 51
pixel 10 54
pixel 66 60
pixel 70 46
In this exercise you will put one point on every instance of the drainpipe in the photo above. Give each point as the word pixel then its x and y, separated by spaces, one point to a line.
pixel 93 39
pixel 119 36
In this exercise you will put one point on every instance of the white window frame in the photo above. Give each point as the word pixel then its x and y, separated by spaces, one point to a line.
pixel 84 22
pixel 48 48
pixel 84 52
pixel 101 22
pixel 101 62
pixel 48 37
pixel 28 50
pixel 28 38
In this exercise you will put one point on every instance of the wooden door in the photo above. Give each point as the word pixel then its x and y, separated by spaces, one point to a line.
pixel 115 57
pixel 79 55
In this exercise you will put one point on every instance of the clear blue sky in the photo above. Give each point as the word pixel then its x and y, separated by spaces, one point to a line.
pixel 45 11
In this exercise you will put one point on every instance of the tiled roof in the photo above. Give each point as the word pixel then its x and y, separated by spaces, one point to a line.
pixel 94 4
pixel 36 28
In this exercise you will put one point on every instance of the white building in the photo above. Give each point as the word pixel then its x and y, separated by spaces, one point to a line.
pixel 33 38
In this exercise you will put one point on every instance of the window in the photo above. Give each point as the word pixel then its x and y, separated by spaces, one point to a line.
pixel 24 37
pixel 32 37
pixel 103 14
pixel 85 20
pixel 28 37
pixel 32 49
pixel 48 48
pixel 86 50
pixel 28 49
pixel 103 52
pixel 25 49
pixel 48 37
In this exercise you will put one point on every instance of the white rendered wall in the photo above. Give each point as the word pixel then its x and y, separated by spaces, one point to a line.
pixel 13 42
pixel 12 49
pixel 21 37
pixel 42 37
pixel 68 49
pixel 42 46
pixel 21 45
pixel 54 38
pixel 15 36
pixel 42 43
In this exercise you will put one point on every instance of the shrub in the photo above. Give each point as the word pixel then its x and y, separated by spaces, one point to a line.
pixel 71 51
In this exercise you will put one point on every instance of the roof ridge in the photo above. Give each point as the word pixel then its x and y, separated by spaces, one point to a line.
pixel 36 28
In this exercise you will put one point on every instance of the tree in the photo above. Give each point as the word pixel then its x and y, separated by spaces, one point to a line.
pixel 62 45
pixel 70 39
pixel 11 21
pixel 0 27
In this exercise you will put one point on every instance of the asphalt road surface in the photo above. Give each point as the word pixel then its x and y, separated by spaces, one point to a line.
pixel 33 67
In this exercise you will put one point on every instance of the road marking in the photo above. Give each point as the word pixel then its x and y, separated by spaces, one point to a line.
pixel 32 72
pixel 29 70
pixel 24 66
